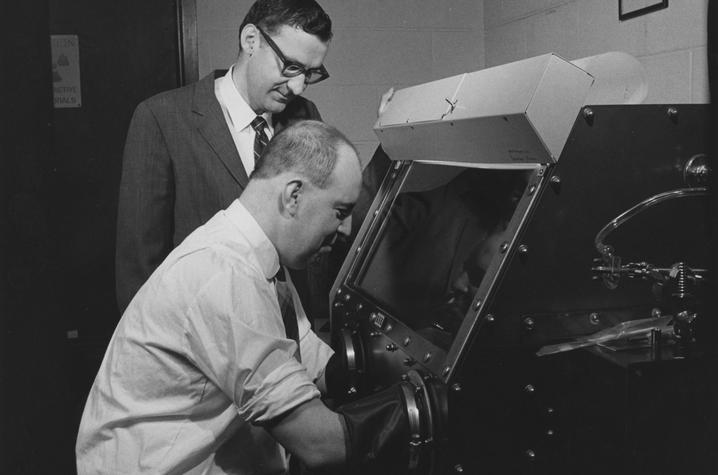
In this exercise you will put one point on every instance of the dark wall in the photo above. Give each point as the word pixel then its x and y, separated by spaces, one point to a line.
pixel 59 175
pixel 33 390
pixel 128 52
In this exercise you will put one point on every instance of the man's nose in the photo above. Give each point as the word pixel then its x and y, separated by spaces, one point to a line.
pixel 297 84
pixel 345 227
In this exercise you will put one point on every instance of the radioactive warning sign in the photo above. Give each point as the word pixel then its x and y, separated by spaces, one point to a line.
pixel 66 71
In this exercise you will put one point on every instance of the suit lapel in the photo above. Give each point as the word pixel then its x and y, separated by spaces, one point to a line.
pixel 213 128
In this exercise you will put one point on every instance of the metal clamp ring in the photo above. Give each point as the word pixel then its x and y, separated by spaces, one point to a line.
pixel 414 419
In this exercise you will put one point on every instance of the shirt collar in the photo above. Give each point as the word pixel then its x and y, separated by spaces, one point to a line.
pixel 253 232
pixel 240 114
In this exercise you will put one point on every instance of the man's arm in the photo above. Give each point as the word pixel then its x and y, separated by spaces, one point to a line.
pixel 313 433
pixel 369 435
pixel 145 205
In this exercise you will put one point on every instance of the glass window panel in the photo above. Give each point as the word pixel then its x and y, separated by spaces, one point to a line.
pixel 444 227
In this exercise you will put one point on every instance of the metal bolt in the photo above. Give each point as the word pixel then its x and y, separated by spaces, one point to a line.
pixel 550 432
pixel 446 370
pixel 656 313
pixel 477 305
pixel 529 323
pixel 541 171
pixel 490 318
pixel 529 388
pixel 404 377
pixel 530 454
pixel 359 307
pixel 458 468
pixel 594 318
pixel 352 390
pixel 347 297
pixel 523 249
pixel 549 410
pixel 456 387
pixel 406 341
pixel 504 247
pixel 358 250
pixel 409 361
pixel 391 347
pixel 588 114
pixel 388 328
pixel 339 291
pixel 672 112
pixel 532 190
pixel 337 304
pixel 555 182
pixel 427 357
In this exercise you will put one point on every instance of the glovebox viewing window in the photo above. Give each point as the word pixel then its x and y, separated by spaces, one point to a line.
pixel 444 227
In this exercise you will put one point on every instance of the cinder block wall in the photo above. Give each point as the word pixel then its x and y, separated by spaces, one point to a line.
pixel 670 43
pixel 377 44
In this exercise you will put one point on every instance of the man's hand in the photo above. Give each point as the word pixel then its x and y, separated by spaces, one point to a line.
pixel 384 103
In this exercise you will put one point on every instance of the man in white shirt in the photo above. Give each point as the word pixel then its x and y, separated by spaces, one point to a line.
pixel 199 376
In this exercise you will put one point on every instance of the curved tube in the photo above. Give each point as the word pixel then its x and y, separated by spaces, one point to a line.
pixel 606 250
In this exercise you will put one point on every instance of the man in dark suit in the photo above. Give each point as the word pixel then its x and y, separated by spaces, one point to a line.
pixel 189 151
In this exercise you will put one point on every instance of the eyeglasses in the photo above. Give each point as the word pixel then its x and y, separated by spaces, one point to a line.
pixel 292 69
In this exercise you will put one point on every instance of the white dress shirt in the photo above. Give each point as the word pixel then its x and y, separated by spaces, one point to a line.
pixel 199 361
pixel 239 115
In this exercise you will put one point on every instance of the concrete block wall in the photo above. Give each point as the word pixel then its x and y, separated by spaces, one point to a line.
pixel 377 44
pixel 670 43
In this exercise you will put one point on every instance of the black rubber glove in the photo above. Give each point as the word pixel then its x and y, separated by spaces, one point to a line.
pixel 336 378
pixel 377 433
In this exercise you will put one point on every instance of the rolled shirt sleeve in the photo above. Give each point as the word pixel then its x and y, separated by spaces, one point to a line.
pixel 235 336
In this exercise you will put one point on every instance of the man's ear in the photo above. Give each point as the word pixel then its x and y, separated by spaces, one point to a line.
pixel 249 38
pixel 291 195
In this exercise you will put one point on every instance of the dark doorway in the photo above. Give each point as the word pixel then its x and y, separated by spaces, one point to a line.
pixel 60 179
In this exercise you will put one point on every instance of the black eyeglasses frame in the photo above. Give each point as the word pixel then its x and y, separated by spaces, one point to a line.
pixel 291 68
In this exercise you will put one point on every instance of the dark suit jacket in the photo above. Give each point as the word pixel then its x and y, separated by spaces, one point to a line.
pixel 180 166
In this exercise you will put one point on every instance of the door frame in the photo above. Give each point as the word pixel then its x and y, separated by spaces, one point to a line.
pixel 187 41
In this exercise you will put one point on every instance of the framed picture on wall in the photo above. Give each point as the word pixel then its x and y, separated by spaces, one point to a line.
pixel 632 8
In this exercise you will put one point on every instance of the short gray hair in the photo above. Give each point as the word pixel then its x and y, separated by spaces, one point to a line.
pixel 308 147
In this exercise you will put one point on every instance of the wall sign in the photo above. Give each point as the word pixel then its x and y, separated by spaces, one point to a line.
pixel 66 71
pixel 633 8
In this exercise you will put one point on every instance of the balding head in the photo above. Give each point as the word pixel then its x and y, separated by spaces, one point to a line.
pixel 308 147
pixel 303 190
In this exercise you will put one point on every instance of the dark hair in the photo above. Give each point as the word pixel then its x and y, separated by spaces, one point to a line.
pixel 305 14
pixel 308 147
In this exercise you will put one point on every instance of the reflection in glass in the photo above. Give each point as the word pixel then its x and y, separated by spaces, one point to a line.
pixel 443 230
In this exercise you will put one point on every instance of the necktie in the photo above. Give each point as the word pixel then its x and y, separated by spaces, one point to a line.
pixel 289 318
pixel 286 306
pixel 261 139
